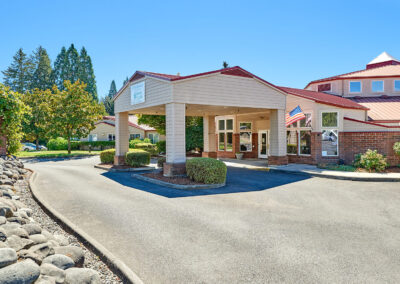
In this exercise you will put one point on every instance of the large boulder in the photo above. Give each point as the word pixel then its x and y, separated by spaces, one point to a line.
pixel 75 253
pixel 50 270
pixel 18 243
pixel 7 256
pixel 59 260
pixel 82 276
pixel 38 239
pixel 32 229
pixel 23 272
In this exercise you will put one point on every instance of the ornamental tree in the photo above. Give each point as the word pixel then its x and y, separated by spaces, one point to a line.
pixel 12 111
pixel 37 121
pixel 74 112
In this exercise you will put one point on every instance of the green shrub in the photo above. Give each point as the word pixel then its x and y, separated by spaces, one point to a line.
pixel 137 158
pixel 162 146
pixel 146 140
pixel 95 145
pixel 371 161
pixel 132 143
pixel 206 170
pixel 107 156
pixel 161 161
pixel 151 148
pixel 57 144
pixel 396 148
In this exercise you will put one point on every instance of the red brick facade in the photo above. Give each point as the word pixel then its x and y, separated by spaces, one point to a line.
pixel 236 147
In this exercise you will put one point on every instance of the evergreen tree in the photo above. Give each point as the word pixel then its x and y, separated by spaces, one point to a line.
pixel 19 74
pixel 42 75
pixel 108 100
pixel 60 69
pixel 125 81
pixel 86 73
pixel 225 64
pixel 73 64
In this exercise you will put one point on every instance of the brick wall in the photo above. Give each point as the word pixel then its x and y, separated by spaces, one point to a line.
pixel 236 147
pixel 352 143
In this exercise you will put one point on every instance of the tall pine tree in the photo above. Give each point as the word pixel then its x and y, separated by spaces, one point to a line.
pixel 60 69
pixel 73 62
pixel 42 74
pixel 86 73
pixel 108 100
pixel 19 74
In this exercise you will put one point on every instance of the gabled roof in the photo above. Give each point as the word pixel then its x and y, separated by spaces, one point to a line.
pixel 132 122
pixel 324 98
pixel 384 108
pixel 383 57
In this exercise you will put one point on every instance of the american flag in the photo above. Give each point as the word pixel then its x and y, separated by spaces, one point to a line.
pixel 295 115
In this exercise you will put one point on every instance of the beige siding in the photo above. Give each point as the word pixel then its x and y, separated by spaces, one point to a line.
pixel 278 133
pixel 226 90
pixel 175 129
pixel 121 134
pixel 353 126
pixel 102 130
pixel 157 92
pixel 336 87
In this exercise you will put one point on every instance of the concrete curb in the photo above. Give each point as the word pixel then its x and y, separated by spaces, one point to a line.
pixel 121 269
pixel 340 177
pixel 178 186
pixel 125 170
pixel 67 157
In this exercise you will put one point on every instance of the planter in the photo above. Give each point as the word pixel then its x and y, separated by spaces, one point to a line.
pixel 239 156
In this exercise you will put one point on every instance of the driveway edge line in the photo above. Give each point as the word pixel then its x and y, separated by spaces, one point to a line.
pixel 115 263
pixel 340 177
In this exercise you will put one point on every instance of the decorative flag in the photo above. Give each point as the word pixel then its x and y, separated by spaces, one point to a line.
pixel 295 115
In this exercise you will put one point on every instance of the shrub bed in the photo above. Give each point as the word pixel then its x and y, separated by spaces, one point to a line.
pixel 137 158
pixel 371 161
pixel 148 147
pixel 162 146
pixel 161 161
pixel 206 170
pixel 57 144
pixel 107 156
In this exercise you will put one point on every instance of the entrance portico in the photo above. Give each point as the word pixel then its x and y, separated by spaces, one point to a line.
pixel 231 92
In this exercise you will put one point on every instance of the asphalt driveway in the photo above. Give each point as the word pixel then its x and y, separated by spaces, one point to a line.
pixel 263 227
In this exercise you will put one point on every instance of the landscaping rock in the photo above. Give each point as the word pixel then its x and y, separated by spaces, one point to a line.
pixel 44 279
pixel 75 253
pixel 3 220
pixel 43 250
pixel 18 243
pixel 3 234
pixel 59 260
pixel 6 211
pixel 63 241
pixel 26 271
pixel 38 239
pixel 7 256
pixel 81 276
pixel 48 269
pixel 32 229
pixel 17 232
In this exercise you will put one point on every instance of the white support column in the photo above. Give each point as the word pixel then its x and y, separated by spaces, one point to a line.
pixel 209 143
pixel 278 153
pixel 175 129
pixel 121 137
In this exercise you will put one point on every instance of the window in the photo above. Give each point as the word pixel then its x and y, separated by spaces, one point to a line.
pixel 92 137
pixel 154 137
pixel 355 87
pixel 329 119
pixel 324 87
pixel 397 85
pixel 298 136
pixel 111 137
pixel 225 134
pixel 305 142
pixel 291 139
pixel 134 136
pixel 245 137
pixel 330 137
pixel 377 86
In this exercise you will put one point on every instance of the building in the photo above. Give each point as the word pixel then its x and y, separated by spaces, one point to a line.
pixel 245 113
pixel 105 130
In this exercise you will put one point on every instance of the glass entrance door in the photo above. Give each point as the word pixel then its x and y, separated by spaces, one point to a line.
pixel 263 144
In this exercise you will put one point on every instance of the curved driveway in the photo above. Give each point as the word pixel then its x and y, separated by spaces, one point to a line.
pixel 277 228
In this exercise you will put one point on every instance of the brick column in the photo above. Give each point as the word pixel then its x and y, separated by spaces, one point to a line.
pixel 121 137
pixel 209 141
pixel 175 139
pixel 278 155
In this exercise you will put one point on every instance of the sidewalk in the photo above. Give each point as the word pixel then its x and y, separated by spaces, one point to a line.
pixel 312 171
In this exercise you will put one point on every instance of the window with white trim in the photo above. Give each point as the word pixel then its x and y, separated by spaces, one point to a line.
pixel 111 137
pixel 377 86
pixel 396 85
pixel 298 136
pixel 330 134
pixel 225 135
pixel 355 87
pixel 245 137
pixel 134 136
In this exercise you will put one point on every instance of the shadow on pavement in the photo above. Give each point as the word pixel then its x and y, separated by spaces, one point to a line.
pixel 238 180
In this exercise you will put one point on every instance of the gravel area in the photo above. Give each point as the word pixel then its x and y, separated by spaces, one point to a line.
pixel 91 260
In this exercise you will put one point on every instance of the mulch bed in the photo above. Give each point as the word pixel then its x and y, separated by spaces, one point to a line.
pixel 120 167
pixel 176 180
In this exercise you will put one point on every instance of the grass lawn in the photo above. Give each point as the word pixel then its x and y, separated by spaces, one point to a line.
pixel 54 154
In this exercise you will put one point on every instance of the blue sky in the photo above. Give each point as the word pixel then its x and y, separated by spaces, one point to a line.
pixel 288 43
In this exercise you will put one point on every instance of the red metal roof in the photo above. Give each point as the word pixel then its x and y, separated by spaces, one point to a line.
pixel 384 108
pixel 324 98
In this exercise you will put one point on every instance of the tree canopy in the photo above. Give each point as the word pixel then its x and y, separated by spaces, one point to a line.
pixel 42 71
pixel 18 75
pixel 108 100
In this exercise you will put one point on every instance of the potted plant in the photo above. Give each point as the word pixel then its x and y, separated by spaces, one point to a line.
pixel 239 155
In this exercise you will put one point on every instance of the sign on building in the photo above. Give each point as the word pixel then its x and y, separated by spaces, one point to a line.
pixel 137 93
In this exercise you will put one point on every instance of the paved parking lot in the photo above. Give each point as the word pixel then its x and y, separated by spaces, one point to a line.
pixel 263 227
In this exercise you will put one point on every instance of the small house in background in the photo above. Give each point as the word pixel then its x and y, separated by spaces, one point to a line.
pixel 105 130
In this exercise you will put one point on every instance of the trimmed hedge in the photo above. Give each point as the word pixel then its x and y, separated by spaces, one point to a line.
pixel 62 144
pixel 162 146
pixel 132 143
pixel 206 170
pixel 57 144
pixel 107 156
pixel 151 148
pixel 161 161
pixel 137 158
